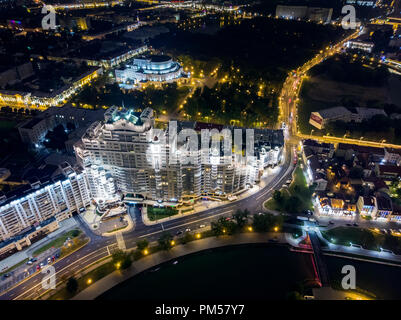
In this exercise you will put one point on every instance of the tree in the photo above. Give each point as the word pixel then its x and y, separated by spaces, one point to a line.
pixel 72 285
pixel 263 222
pixel 126 262
pixel 165 241
pixel 277 196
pixel 241 217
pixel 142 244
pixel 223 226
pixel 118 256
pixel 186 238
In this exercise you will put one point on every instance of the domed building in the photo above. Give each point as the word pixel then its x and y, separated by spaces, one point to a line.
pixel 157 68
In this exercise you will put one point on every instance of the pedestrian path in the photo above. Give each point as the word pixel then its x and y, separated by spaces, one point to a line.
pixel 120 241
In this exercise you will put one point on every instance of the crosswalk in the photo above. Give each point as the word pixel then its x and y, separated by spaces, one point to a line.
pixel 120 241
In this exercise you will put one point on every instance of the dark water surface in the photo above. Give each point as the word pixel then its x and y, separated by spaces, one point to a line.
pixel 247 272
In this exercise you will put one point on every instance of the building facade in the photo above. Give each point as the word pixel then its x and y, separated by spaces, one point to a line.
pixel 156 68
pixel 38 202
pixel 126 150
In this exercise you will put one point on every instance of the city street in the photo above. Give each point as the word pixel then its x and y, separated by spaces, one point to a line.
pixel 100 247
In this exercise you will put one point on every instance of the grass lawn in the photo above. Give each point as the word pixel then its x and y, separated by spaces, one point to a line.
pixel 160 213
pixel 346 235
pixel 15 266
pixel 298 189
pixel 58 242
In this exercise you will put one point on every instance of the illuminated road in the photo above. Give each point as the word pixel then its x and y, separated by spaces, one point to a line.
pixel 100 247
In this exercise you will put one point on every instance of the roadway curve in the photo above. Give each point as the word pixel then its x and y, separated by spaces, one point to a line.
pixel 99 247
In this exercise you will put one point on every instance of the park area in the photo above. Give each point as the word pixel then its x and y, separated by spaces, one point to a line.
pixel 293 199
pixel 160 213
pixel 68 242
pixel 349 81
pixel 368 239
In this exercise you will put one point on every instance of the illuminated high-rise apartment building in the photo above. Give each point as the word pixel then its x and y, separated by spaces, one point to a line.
pixel 126 151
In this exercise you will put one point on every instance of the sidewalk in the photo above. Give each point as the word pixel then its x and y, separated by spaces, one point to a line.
pixel 150 261
pixel 357 251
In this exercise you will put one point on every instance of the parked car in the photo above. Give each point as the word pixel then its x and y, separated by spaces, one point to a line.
pixel 331 222
pixel 187 230
pixel 49 260
pixel 178 233
pixel 349 224
pixel 355 224
pixel 29 262
pixel 202 226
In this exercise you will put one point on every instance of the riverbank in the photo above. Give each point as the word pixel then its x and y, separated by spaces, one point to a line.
pixel 119 276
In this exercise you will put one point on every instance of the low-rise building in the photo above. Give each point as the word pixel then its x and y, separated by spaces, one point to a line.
pixel 367 206
pixel 320 119
pixel 384 206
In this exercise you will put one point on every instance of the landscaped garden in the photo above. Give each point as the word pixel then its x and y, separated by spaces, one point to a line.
pixel 294 199
pixel 160 213
pixel 60 241
pixel 364 237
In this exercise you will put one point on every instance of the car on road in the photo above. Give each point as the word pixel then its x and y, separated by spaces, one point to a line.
pixel 355 224
pixel 29 262
pixel 288 181
pixel 34 259
pixel 49 260
pixel 331 222
pixel 6 275
pixel 178 233
pixel 273 240
pixel 38 267
pixel 349 224
pixel 187 230
pixel 202 226
pixel 41 264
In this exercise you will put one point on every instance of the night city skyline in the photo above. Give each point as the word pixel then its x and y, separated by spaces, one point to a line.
pixel 200 158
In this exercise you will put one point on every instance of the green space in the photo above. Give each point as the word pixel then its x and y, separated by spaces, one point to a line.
pixel 294 199
pixel 364 237
pixel 352 81
pixel 58 242
pixel 163 98
pixel 14 266
pixel 160 213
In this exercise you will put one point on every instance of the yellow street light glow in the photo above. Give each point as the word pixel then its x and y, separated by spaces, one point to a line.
pixel 250 229
pixel 89 281
pixel 145 252
pixel 275 229
pixel 172 242
pixel 224 230
pixel 118 264
pixel 198 235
